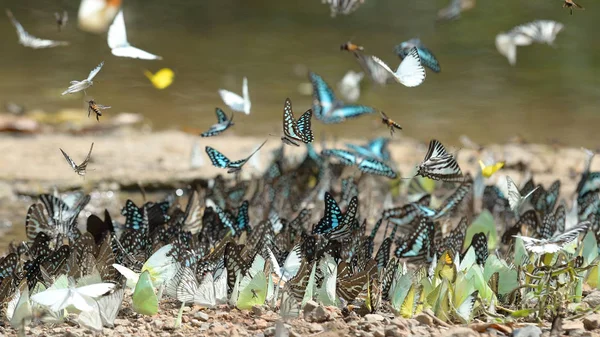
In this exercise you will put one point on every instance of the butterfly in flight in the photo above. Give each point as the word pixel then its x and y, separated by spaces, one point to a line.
pixel 162 79
pixel 236 102
pixel 410 72
pixel 220 161
pixel 330 110
pixel 539 31
pixel 119 46
pixel 81 168
pixel 427 57
pixel 349 46
pixel 77 86
pixel 488 170
pixel 390 123
pixel 223 123
pixel 96 108
pixel 61 20
pixel 344 7
pixel 296 132
pixel 376 149
pixel 439 164
pixel 555 243
pixel 570 4
pixel 29 40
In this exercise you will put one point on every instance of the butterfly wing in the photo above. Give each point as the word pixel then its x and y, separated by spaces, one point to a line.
pixel 373 166
pixel 217 158
pixel 290 127
pixel 232 100
pixel 346 157
pixel 380 74
pixel 344 112
pixel 323 97
pixel 221 117
pixel 135 53
pixel 117 34
pixel 410 72
pixel 95 71
pixel 69 160
pixel 304 127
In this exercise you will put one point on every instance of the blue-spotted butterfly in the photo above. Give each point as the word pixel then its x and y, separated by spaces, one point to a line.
pixel 296 132
pixel 427 57
pixel 219 160
pixel 223 123
pixel 376 149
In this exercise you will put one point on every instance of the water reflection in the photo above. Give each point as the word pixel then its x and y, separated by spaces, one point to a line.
pixel 550 93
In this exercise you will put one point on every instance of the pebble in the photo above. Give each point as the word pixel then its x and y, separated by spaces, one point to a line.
pixel 320 315
pixel 71 334
pixel 157 323
pixel 204 327
pixel 572 326
pixel 372 318
pixel 379 333
pixel 122 322
pixel 260 324
pixel 257 310
pixel 460 332
pixel 424 319
pixel 315 327
pixel 593 299
pixel 527 331
pixel 202 316
pixel 591 322
pixel 309 306
pixel 196 323
pixel 392 331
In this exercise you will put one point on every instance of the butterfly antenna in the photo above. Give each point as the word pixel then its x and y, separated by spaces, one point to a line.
pixel 142 190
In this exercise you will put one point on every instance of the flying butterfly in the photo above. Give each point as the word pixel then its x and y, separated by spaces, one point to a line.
pixel 29 40
pixel 410 72
pixel 330 110
pixel 219 160
pixel 555 243
pixel 488 170
pixel 96 108
pixel 376 149
pixel 439 164
pixel 343 7
pixel 427 57
pixel 296 132
pixel 77 86
pixel 223 123
pixel 120 46
pixel 390 123
pixel 81 168
pixel 61 19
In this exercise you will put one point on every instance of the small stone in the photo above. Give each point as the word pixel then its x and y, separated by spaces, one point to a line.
pixel 204 327
pixel 71 334
pixel 593 299
pixel 121 329
pixel 372 318
pixel 270 331
pixel 591 322
pixel 379 333
pixel 122 322
pixel 169 323
pixel 309 306
pixel 260 324
pixel 400 323
pixel 315 327
pixel 461 332
pixel 257 310
pixel 196 323
pixel 157 323
pixel 528 331
pixel 572 325
pixel 294 334
pixel 320 314
pixel 392 331
pixel 202 316
pixel 424 319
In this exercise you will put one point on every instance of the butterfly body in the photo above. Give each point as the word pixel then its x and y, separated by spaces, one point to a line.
pixel 427 57
pixel 296 132
pixel 96 108
pixel 223 123
pixel 77 86
pixel 81 168
pixel 390 123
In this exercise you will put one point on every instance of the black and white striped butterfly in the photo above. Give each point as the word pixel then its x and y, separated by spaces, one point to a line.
pixel 555 243
pixel 296 132
pixel 223 123
pixel 219 160
pixel 539 31
pixel 81 168
pixel 29 40
pixel 343 7
pixel 439 164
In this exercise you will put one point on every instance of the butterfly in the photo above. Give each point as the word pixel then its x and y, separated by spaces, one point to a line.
pixel 96 108
pixel 349 86
pixel 219 160
pixel 61 20
pixel 80 297
pixel 334 224
pixel 29 40
pixel 479 242
pixel 81 168
pixel 427 57
pixel 296 131
pixel 555 243
pixel 376 149
pixel 117 41
pixel 488 170
pixel 235 101
pixel 349 46
pixel 390 123
pixel 223 123
pixel 410 72
pixel 344 7
pixel 540 31
pixel 330 110
pixel 515 199
pixel 570 4
pixel 418 242
pixel 77 86
pixel 366 165
pixel 162 79
pixel 439 164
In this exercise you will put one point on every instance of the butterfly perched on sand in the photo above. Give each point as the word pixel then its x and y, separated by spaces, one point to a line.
pixel 81 168
pixel 418 242
pixel 29 40
pixel 296 132
pixel 390 123
pixel 119 46
pixel 515 199
pixel 236 102
pixel 555 243
pixel 330 110
pixel 223 123
pixel 488 170
pixel 219 160
pixel 334 224
pixel 427 57
pixel 410 72
pixel 439 164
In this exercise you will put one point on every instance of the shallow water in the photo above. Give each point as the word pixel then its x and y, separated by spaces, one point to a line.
pixel 552 93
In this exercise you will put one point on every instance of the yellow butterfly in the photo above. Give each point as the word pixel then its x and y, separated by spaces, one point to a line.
pixel 162 79
pixel 488 170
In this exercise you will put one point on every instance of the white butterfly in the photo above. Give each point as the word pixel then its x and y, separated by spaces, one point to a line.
pixel 209 292
pixel 235 101
pixel 161 266
pixel 81 298
pixel 540 31
pixel 555 243
pixel 31 41
pixel 290 266
pixel 77 86
pixel 410 72
pixel 515 200
pixel 104 313
pixel 349 86
pixel 117 41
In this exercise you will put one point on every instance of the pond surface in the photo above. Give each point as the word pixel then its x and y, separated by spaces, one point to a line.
pixel 552 93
